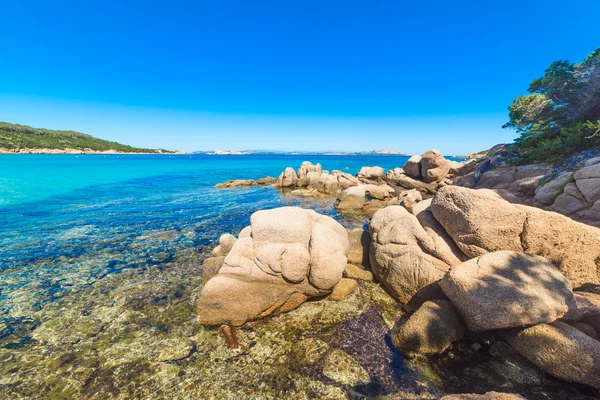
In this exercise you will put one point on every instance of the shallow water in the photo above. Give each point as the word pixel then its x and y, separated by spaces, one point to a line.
pixel 100 272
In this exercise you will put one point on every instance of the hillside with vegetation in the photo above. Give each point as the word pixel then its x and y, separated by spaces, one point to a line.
pixel 16 138
pixel 561 114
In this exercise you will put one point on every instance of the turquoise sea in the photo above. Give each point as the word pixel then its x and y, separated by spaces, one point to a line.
pixel 100 269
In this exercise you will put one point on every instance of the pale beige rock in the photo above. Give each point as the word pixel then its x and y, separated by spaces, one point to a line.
pixel 292 254
pixel 325 183
pixel 399 178
pixel 352 198
pixel 343 289
pixel 434 167
pixel 412 167
pixel 359 241
pixel 211 267
pixel 379 192
pixel 370 173
pixel 570 201
pixel 480 222
pixel 287 178
pixel 345 180
pixel 407 199
pixel 306 168
pixel 403 256
pixel 431 329
pixel 506 289
pixel 246 232
pixel 562 351
pixel 355 272
pixel 446 248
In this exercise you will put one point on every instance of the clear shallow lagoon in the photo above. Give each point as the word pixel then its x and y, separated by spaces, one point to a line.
pixel 100 269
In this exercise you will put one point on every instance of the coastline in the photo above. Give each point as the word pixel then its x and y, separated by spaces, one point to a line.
pixel 75 151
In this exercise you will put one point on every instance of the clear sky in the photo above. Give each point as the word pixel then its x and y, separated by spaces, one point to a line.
pixel 288 75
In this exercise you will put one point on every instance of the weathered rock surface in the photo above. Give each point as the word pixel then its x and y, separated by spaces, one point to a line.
pixel 303 173
pixel 292 254
pixel 412 167
pixel 403 256
pixel 358 253
pixel 287 178
pixel 434 167
pixel 355 272
pixel 344 288
pixel 370 174
pixel 431 329
pixel 585 328
pixel 506 289
pixel 481 222
pixel 485 396
pixel 398 177
pixel 586 305
pixel 352 198
pixel 562 351
pixel 407 199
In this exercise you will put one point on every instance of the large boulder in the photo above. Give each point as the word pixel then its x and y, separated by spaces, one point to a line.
pixel 352 198
pixel 287 178
pixel 506 289
pixel 398 177
pixel 325 183
pixel 380 192
pixel 412 167
pixel 434 167
pixel 345 180
pixel 370 174
pixel 562 351
pixel 479 221
pixel 407 199
pixel 291 255
pixel 588 182
pixel 586 305
pixel 303 173
pixel 551 187
pixel 403 256
pixel 431 329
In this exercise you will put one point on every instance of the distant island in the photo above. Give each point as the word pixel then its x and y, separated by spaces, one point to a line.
pixel 384 152
pixel 22 139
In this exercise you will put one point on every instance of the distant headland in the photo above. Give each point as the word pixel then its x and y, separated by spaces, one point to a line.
pixel 22 139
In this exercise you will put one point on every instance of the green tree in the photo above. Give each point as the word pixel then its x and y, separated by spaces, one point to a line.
pixel 561 114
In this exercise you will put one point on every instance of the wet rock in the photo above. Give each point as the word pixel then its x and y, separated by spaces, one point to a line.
pixel 506 289
pixel 355 272
pixel 293 254
pixel 267 180
pixel 431 329
pixel 236 183
pixel 358 253
pixel 308 351
pixel 485 396
pixel 342 368
pixel 211 267
pixel 403 256
pixel 174 349
pixel 561 350
pixel 344 288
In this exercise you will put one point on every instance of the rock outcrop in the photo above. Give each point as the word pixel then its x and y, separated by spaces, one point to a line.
pixel 479 222
pixel 506 289
pixel 412 167
pixel 288 178
pixel 403 256
pixel 434 167
pixel 292 254
pixel 562 351
pixel 368 174
pixel 431 329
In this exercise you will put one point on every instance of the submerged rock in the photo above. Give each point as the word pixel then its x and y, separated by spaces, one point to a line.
pixel 293 254
pixel 506 289
pixel 485 396
pixel 341 367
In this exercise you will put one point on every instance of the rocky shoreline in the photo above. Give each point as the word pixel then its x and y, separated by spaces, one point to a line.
pixel 459 251
pixel 77 151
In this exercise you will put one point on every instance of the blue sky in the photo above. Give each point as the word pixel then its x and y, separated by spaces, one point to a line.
pixel 288 75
